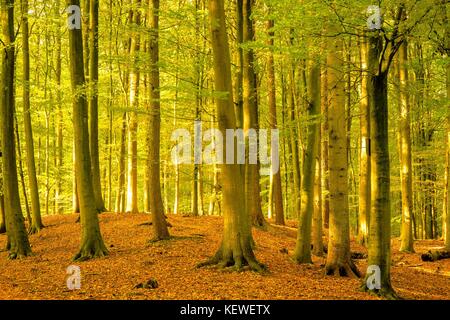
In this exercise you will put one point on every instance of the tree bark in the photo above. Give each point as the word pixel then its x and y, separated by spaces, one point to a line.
pixel 446 218
pixel 276 197
pixel 121 197
pixel 161 231
pixel 379 247
pixel 302 252
pixel 18 244
pixel 338 259
pixel 36 223
pixel 132 196
pixel 92 245
pixel 93 105
pixel 236 248
pixel 364 151
pixel 405 153
pixel 250 110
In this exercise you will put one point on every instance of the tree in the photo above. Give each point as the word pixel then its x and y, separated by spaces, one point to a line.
pixel 153 130
pixel 364 151
pixel 338 258
pixel 132 192
pixel 324 151
pixel 275 178
pixel 92 245
pixel 236 247
pixel 18 245
pixel 405 153
pixel 250 113
pixel 302 252
pixel 446 224
pixel 2 202
pixel 93 104
pixel 36 223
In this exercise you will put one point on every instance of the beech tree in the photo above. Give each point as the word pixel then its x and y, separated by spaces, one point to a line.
pixel 92 245
pixel 236 247
pixel 18 245
pixel 153 130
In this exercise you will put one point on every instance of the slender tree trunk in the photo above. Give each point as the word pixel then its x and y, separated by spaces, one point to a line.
pixel 338 259
pixel 250 111
pixel 21 173
pixel 60 120
pixel 446 218
pixel 302 252
pixel 379 247
pixel 2 200
pixel 18 244
pixel 294 150
pixel 317 233
pixel 405 153
pixel 239 61
pixel 120 199
pixel 364 151
pixel 2 213
pixel 92 245
pixel 160 229
pixel 132 196
pixel 324 147
pixel 36 224
pixel 276 196
pixel 93 105
pixel 236 248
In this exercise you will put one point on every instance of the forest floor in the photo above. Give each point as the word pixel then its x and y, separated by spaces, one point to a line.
pixel 172 263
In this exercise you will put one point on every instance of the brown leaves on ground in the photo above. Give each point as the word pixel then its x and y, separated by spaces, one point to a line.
pixel 172 264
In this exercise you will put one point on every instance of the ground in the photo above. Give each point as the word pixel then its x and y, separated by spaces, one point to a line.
pixel 172 264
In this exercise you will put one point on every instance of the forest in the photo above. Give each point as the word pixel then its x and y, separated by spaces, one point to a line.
pixel 213 149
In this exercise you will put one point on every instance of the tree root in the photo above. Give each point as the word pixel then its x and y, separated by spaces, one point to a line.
pixel 237 264
pixel 91 250
pixel 159 239
pixel 348 269
pixel 35 229
pixel 386 292
pixel 19 254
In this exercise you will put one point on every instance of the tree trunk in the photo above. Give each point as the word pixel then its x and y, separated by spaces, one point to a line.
pixel 36 224
pixel 18 244
pixel 93 105
pixel 92 245
pixel 236 248
pixel 21 173
pixel 60 119
pixel 302 252
pixel 405 153
pixel 317 231
pixel 324 146
pixel 2 200
pixel 250 110
pixel 161 231
pixel 338 259
pixel 121 197
pixel 364 151
pixel 132 196
pixel 446 218
pixel 276 197
pixel 379 247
